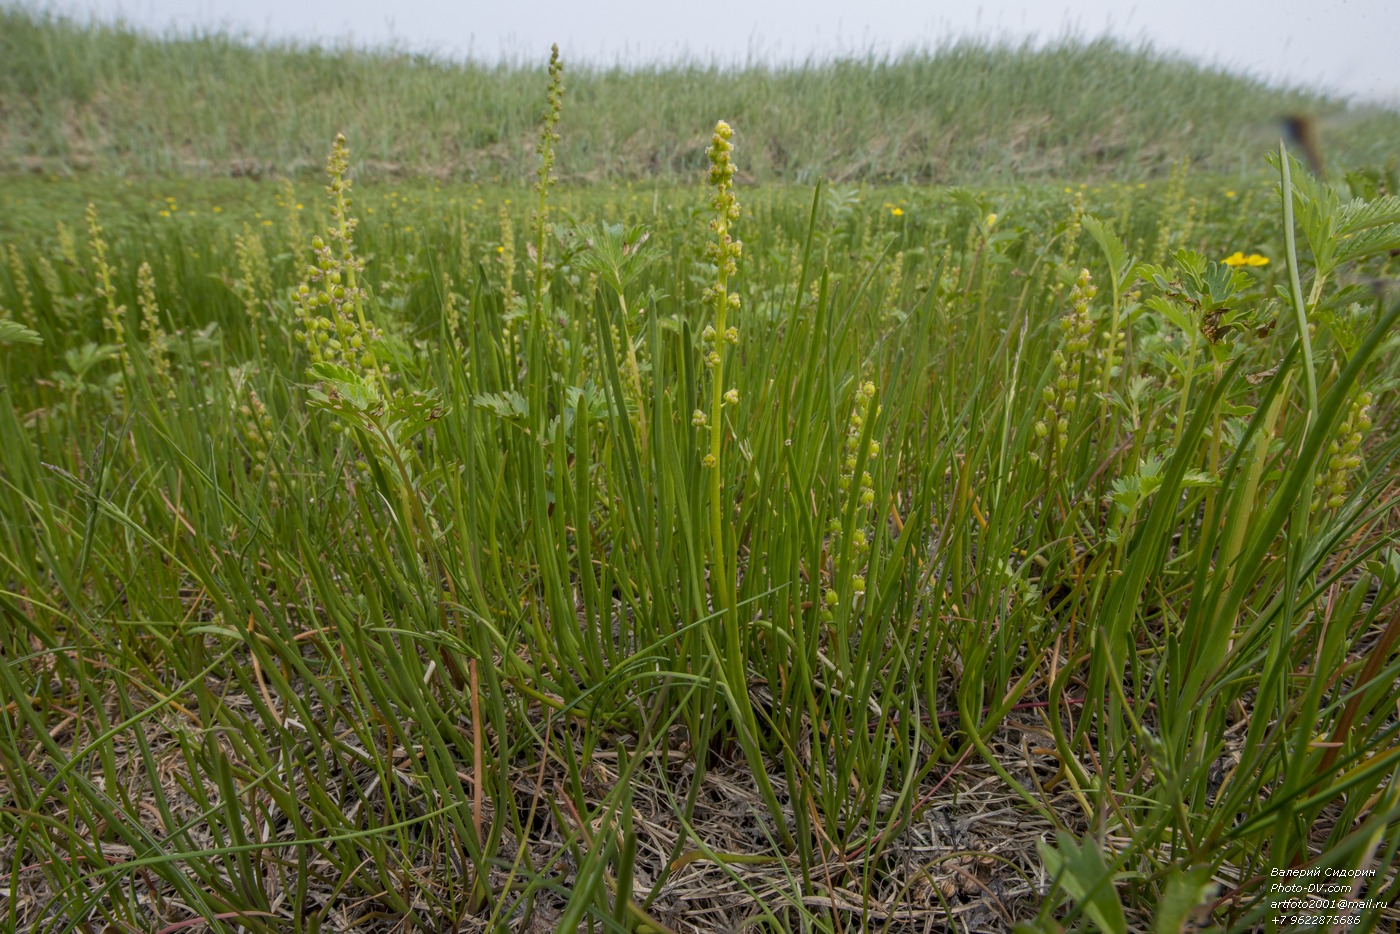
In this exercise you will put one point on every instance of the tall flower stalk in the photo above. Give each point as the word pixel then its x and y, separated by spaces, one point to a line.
pixel 548 137
pixel 113 313
pixel 538 340
pixel 724 252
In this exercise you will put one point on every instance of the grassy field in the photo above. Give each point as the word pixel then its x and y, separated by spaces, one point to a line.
pixel 78 97
pixel 424 554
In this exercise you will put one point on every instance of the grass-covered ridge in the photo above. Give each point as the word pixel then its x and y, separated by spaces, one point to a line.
pixel 98 97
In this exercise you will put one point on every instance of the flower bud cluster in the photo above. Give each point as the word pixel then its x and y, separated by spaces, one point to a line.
pixel 714 341
pixel 64 303
pixel 1343 453
pixel 157 343
pixel 892 291
pixel 722 174
pixel 21 281
pixel 1172 209
pixel 1188 225
pixel 1069 240
pixel 329 305
pixel 451 310
pixel 723 252
pixel 338 168
pixel 292 230
pixel 505 254
pixel 113 314
pixel 254 282
pixel 1060 396
pixel 719 294
pixel 255 426
pixel 859 539
pixel 68 240
pixel 554 104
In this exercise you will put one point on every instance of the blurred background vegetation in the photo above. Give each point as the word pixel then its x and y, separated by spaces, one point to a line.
pixel 85 97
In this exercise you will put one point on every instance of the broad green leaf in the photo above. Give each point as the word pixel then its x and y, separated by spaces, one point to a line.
pixel 1185 893
pixel 1081 871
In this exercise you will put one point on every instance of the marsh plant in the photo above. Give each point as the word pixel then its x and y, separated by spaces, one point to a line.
pixel 886 565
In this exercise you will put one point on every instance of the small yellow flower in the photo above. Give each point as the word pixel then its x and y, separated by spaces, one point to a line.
pixel 991 219
pixel 897 212
pixel 217 210
pixel 1238 259
pixel 1229 194
pixel 267 223
pixel 164 213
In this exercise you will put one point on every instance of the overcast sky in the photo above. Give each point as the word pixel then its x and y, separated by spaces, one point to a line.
pixel 1345 46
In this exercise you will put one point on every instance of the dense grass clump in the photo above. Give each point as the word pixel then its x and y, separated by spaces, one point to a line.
pixel 400 559
pixel 428 556
pixel 77 96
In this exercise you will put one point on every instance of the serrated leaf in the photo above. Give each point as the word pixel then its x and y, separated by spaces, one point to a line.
pixel 1368 243
pixel 346 387
pixel 333 372
pixel 1157 275
pixel 511 406
pixel 12 332
pixel 1113 249
pixel 1170 310
pixel 1198 478
pixel 1360 214
pixel 1190 262
pixel 409 414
